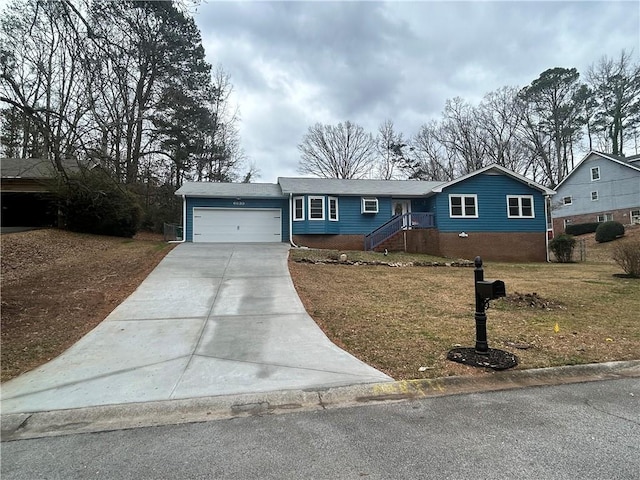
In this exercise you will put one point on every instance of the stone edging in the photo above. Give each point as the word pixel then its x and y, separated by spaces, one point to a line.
pixel 376 263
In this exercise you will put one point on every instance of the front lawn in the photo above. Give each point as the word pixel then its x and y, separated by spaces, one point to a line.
pixel 404 320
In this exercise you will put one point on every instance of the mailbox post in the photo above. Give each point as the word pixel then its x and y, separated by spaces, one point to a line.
pixel 482 346
pixel 485 290
pixel 482 355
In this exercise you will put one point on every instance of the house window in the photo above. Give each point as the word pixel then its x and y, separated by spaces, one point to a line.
pixel 594 196
pixel 316 208
pixel 595 174
pixel 605 217
pixel 464 206
pixel 520 206
pixel 333 209
pixel 567 221
pixel 369 205
pixel 298 208
pixel 635 216
pixel 567 200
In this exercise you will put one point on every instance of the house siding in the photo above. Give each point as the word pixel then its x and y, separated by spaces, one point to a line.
pixel 491 191
pixel 351 219
pixel 618 191
pixel 196 202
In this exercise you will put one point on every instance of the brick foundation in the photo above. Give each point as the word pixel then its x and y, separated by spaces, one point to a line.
pixel 498 246
pixel 620 215
pixel 335 242
pixel 503 247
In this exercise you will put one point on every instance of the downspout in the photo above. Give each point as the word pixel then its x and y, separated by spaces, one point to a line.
pixel 184 222
pixel 547 198
pixel 291 221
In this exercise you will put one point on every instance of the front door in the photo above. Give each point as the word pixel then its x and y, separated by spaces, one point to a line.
pixel 400 207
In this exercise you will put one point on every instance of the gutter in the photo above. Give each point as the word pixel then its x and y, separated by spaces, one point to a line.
pixel 184 222
pixel 291 221
pixel 546 230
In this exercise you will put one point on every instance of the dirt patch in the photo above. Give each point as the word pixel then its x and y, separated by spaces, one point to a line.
pixel 531 300
pixel 57 286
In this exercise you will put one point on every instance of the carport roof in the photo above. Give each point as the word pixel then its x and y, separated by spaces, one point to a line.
pixel 216 189
pixel 334 186
pixel 34 168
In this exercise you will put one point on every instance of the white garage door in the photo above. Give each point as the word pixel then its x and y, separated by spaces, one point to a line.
pixel 219 225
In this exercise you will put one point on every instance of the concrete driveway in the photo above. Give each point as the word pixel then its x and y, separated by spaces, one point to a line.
pixel 210 320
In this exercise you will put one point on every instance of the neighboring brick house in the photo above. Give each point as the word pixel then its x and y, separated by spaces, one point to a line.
pixel 493 212
pixel 601 187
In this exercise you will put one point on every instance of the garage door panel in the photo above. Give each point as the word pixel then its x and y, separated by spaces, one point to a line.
pixel 237 225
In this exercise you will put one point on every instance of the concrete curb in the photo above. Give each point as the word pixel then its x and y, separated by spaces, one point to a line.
pixel 21 426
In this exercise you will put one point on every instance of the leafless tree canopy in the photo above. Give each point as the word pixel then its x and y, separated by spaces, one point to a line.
pixel 337 151
pixel 124 84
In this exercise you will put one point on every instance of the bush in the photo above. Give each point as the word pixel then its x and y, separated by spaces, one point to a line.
pixel 159 204
pixel 581 228
pixel 627 255
pixel 562 247
pixel 91 202
pixel 608 231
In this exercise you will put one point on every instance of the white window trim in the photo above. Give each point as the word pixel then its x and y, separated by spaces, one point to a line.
pixel 591 173
pixel 567 221
pixel 309 199
pixel 295 219
pixel 597 196
pixel 604 217
pixel 520 215
pixel 564 200
pixel 370 199
pixel 463 196
pixel 333 199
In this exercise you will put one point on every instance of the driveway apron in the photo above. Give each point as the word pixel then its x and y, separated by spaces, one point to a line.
pixel 211 319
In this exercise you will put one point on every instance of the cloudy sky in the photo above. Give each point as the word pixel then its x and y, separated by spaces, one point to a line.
pixel 293 64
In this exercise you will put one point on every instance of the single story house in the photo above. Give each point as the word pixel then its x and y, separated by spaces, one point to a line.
pixel 493 212
pixel 602 187
pixel 25 196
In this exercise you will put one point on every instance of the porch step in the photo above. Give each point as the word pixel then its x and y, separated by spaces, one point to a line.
pixel 394 243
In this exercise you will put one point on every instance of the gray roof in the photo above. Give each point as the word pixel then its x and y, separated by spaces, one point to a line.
pixel 334 186
pixel 36 168
pixel 214 189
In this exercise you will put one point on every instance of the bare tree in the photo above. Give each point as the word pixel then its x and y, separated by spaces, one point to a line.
pixel 499 116
pixel 341 151
pixel 460 133
pixel 222 157
pixel 428 158
pixel 41 75
pixel 390 152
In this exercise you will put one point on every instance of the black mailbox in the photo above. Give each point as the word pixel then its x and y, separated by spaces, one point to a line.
pixel 491 289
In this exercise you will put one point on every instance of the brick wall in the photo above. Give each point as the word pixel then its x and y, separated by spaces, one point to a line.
pixel 621 216
pixel 335 242
pixel 496 246
pixel 424 241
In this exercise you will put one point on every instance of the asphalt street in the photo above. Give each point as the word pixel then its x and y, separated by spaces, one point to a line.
pixel 584 430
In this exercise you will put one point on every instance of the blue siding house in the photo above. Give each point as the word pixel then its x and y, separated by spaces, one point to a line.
pixel 492 212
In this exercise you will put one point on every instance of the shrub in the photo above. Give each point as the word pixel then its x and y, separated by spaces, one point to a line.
pixel 562 247
pixel 91 202
pixel 581 228
pixel 627 255
pixel 608 231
